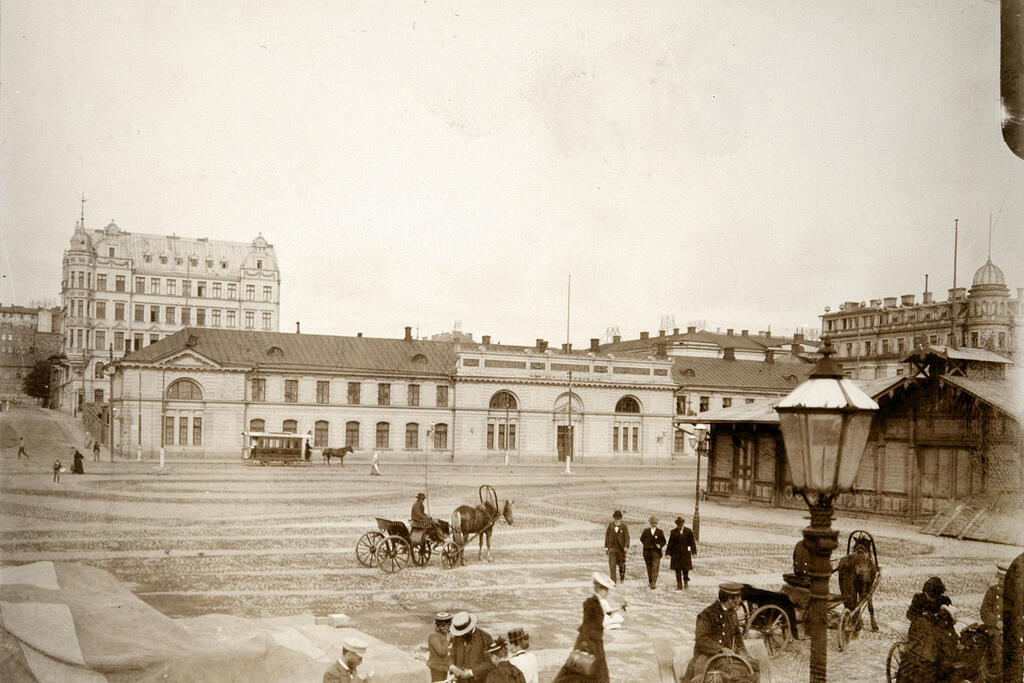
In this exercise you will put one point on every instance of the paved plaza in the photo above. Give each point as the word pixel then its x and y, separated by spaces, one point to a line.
pixel 196 538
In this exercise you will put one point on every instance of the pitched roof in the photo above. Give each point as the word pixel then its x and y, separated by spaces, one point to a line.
pixel 279 350
pixel 746 342
pixel 693 371
pixel 1005 394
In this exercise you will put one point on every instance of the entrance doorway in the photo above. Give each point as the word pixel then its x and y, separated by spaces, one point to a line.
pixel 564 442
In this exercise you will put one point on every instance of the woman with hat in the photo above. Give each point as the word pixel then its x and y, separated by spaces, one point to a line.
pixel 439 645
pixel 522 658
pixel 681 545
pixel 470 661
pixel 503 671
pixel 590 638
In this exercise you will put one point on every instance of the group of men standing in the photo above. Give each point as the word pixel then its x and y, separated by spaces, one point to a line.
pixel 681 546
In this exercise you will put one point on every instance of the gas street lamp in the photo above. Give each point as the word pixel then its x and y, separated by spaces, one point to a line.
pixel 825 423
pixel 701 447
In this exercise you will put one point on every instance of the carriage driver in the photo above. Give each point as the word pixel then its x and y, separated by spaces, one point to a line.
pixel 420 519
pixel 718 630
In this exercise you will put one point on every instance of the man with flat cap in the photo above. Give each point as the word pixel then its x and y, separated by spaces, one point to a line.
pixel 616 543
pixel 653 541
pixel 718 630
pixel 471 663
pixel 344 669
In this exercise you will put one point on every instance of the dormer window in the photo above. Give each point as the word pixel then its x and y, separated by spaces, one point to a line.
pixel 178 261
pixel 223 264
pixel 163 259
pixel 275 352
pixel 193 261
pixel 259 264
pixel 147 258
pixel 110 252
pixel 209 263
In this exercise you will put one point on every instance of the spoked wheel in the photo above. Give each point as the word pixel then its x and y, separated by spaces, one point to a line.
pixel 847 629
pixel 366 548
pixel 421 553
pixel 451 555
pixel 772 623
pixel 726 666
pixel 892 662
pixel 393 554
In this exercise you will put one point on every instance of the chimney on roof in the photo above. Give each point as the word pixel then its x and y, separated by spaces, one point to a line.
pixel 408 333
pixel 729 331
pixel 486 340
pixel 543 345
pixel 661 333
pixel 595 344
pixel 297 330
pixel 769 356
pixel 907 300
pixel 926 298
pixel 645 335
pixel 616 338
pixel 661 350
pixel 690 329
pixel 566 348
pixel 675 330
pixel 539 342
pixel 729 353
pixel 745 333
pixel 359 334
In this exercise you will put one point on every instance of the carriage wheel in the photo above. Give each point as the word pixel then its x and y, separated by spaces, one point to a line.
pixel 393 554
pixel 421 553
pixel 366 548
pixel 772 623
pixel 451 554
pixel 892 662
pixel 722 667
pixel 847 629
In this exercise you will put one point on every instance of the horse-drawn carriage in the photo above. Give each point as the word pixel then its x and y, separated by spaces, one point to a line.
pixel 392 546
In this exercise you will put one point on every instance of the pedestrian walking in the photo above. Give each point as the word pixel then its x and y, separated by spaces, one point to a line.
pixel 77 460
pixel 95 451
pixel 587 662
pixel 653 541
pixel 439 646
pixel 681 546
pixel 470 661
pixel 21 448
pixel 374 465
pixel 57 468
pixel 616 543
pixel 522 658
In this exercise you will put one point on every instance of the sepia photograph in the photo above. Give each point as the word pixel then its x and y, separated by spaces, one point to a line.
pixel 522 342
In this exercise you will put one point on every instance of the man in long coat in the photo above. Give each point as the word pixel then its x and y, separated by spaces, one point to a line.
pixel 616 543
pixel 681 547
pixel 471 663
pixel 718 630
pixel 653 541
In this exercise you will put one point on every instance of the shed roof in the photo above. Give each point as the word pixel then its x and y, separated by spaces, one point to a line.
pixel 1005 394
pixel 982 355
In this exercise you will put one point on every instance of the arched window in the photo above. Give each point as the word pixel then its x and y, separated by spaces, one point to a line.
pixel 290 427
pixel 383 435
pixel 412 436
pixel 257 425
pixel 504 400
pixel 441 436
pixel 352 434
pixel 185 390
pixel 320 434
pixel 627 404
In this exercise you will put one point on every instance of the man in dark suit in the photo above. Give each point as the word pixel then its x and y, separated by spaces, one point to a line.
pixel 680 548
pixel 653 541
pixel 616 543
pixel 471 664
pixel 344 669
pixel 718 630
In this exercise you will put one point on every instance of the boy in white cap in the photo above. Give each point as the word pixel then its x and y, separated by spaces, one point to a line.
pixel 344 669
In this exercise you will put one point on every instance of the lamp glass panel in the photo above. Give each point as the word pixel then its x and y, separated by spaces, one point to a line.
pixel 858 426
pixel 824 432
pixel 792 426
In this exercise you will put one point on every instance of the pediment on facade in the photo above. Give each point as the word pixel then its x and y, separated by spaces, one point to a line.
pixel 188 359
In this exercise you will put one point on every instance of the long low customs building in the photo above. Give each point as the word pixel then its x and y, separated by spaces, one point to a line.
pixel 195 393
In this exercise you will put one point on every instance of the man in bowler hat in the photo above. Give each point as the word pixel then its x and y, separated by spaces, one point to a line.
pixel 616 543
pixel 653 541
pixel 680 548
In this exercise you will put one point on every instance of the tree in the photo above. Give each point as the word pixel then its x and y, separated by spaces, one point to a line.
pixel 37 382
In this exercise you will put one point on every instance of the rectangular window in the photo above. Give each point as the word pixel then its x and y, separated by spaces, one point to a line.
pixel 200 289
pixel 101 282
pixel 250 292
pixel 172 287
pixel 231 318
pixel 101 340
pixel 636 439
pixel 81 308
pixel 81 280
pixel 215 314
pixel 232 290
pixel 169 315
pixel 201 317
pixel 412 436
pixel 383 435
pixel 118 341
pixel 511 437
pixel 140 285
pixel 442 396
pixel 216 290
pixel 291 391
pixel 137 341
pixel 154 285
pixel 154 338
pixel 118 311
pixel 625 439
pixel 163 259
pixel 749 400
pixel 726 402
pixel 110 252
pixel 501 437
pixel 615 439
pixel 182 431
pixel 383 394
pixel 186 316
pixel 320 434
pixel 127 345
pixel 705 403
pixel 154 314
pixel 186 288
pixel 250 320
pixel 119 283
pixel 353 393
pixel 197 431
pixel 490 436
pixel 414 394
pixel 441 436
pixel 168 431
pixel 266 320
pixel 323 392
pixel 259 389
pixel 140 313
pixel 268 293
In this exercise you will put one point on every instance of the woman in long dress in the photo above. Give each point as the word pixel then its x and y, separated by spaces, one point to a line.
pixel 591 636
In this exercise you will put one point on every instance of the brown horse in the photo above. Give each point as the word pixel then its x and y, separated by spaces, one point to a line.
pixel 468 520
pixel 338 453
pixel 857 574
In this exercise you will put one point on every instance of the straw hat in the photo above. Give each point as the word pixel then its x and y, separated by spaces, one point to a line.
pixel 463 623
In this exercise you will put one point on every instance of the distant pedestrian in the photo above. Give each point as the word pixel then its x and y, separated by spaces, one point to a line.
pixel 616 543
pixel 21 448
pixel 653 541
pixel 77 460
pixel 57 467
pixel 522 658
pixel 374 465
pixel 439 646
pixel 95 451
pixel 680 548
pixel 308 448
pixel 503 671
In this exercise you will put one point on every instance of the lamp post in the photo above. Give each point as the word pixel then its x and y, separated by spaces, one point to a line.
pixel 701 443
pixel 825 423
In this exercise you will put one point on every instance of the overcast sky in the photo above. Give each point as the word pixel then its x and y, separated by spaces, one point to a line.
pixel 421 163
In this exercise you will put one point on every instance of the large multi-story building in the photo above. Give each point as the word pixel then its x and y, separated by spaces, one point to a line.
pixel 27 335
pixel 872 340
pixel 121 291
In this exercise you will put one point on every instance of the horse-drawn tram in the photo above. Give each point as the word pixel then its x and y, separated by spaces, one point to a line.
pixel 271 447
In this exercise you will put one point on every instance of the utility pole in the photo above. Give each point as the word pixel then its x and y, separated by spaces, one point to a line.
pixel 568 309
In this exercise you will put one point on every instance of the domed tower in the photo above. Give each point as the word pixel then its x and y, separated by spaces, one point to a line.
pixel 989 319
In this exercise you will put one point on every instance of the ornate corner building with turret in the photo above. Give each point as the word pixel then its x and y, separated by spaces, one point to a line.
pixel 121 291
pixel 872 340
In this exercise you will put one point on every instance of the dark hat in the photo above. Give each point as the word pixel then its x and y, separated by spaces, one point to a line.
pixel 730 589
pixel 680 520
pixel 498 645
pixel 519 637
pixel 617 514
pixel 420 495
